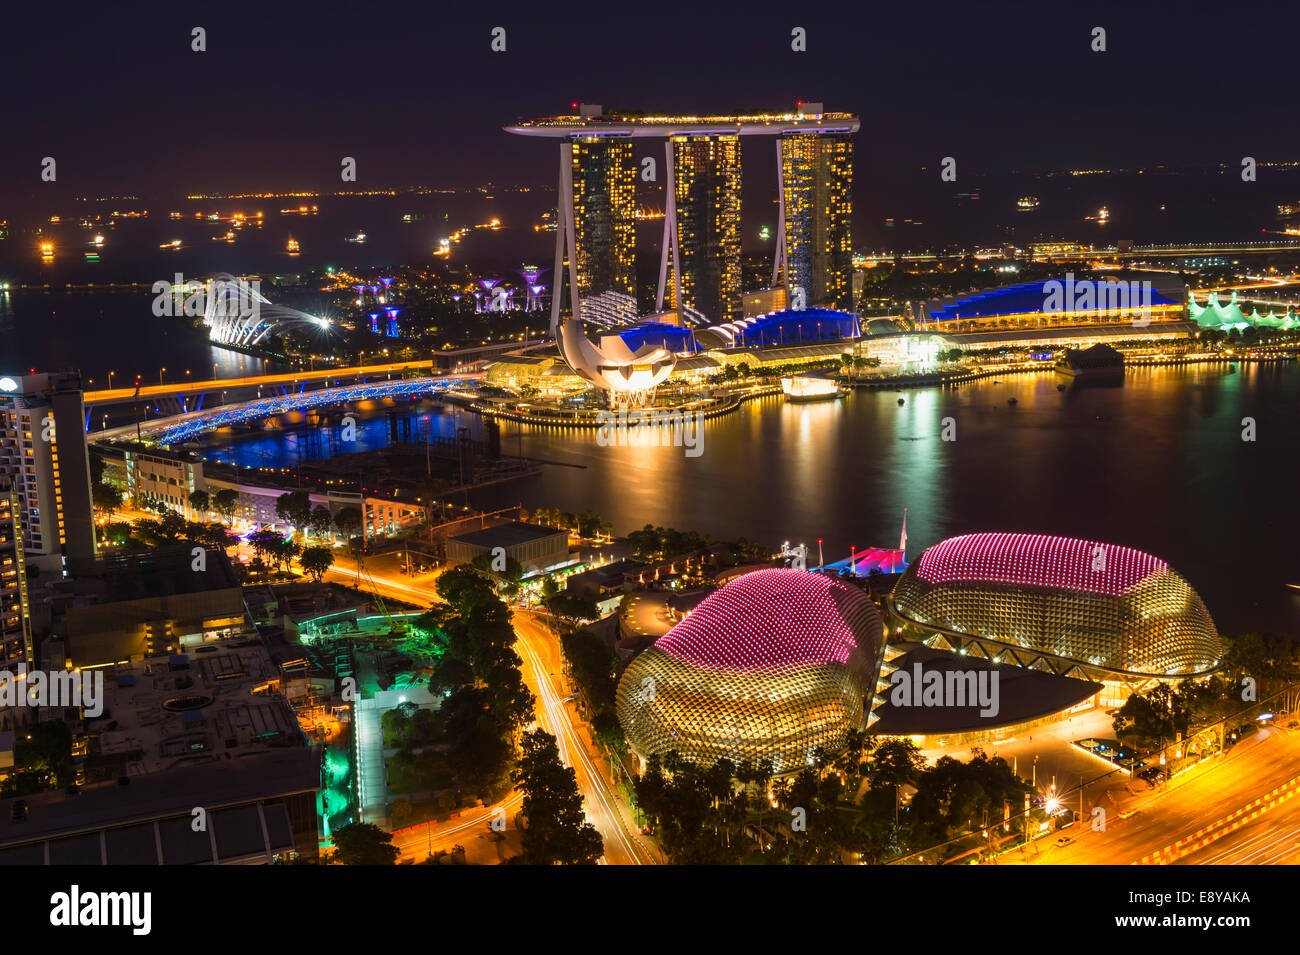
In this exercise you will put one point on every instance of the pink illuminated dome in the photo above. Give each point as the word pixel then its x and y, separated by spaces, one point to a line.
pixel 1072 606
pixel 774 666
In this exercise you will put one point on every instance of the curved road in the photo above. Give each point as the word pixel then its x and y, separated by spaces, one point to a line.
pixel 543 674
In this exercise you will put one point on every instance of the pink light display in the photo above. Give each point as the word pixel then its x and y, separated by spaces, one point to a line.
pixel 1039 560
pixel 775 619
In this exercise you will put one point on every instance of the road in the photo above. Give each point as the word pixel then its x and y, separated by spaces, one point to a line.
pixel 605 808
pixel 471 829
pixel 172 389
pixel 1194 800
pixel 1272 839
pixel 542 671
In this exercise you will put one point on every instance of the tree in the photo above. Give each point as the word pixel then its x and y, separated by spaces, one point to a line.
pixel 363 843
pixel 117 532
pixel 568 609
pixel 294 508
pixel 214 535
pixel 348 521
pixel 264 541
pixel 558 832
pixel 105 498
pixel 507 578
pixel 224 503
pixel 172 527
pixel 200 501
pixel 317 560
pixel 320 521
pixel 284 551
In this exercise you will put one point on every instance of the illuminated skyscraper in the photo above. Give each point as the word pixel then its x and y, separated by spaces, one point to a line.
pixel 15 621
pixel 817 209
pixel 604 205
pixel 43 452
pixel 705 208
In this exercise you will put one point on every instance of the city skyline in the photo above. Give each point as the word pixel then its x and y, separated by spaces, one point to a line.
pixel 604 436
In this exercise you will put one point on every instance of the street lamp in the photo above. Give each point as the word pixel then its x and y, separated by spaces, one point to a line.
pixel 160 374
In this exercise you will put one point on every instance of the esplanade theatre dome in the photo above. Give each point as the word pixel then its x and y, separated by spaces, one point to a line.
pixel 773 665
pixel 1112 609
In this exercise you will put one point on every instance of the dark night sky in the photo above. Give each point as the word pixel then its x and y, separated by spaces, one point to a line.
pixel 414 93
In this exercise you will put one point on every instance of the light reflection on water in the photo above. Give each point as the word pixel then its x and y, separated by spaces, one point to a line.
pixel 1157 464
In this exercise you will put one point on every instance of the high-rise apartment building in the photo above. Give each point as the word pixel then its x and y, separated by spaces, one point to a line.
pixel 604 203
pixel 15 617
pixel 817 191
pixel 43 453
pixel 706 253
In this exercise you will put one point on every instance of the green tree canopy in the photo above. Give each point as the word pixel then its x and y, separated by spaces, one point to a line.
pixel 557 830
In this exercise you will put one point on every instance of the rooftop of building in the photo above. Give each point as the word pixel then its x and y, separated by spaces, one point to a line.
pixel 1023 695
pixel 159 572
pixel 593 121
pixel 1035 296
pixel 507 535
pixel 771 354
pixel 228 782
pixel 609 575
pixel 162 713
pixel 305 600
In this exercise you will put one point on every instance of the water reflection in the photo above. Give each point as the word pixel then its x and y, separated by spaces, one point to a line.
pixel 1157 464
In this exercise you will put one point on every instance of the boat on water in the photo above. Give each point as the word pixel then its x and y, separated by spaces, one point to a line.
pixel 1027 203
pixel 292 246
pixel 811 388
pixel 358 238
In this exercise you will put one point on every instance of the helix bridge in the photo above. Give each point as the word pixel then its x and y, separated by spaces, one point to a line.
pixel 178 429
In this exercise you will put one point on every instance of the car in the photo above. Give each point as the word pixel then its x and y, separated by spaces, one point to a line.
pixel 1127 814
pixel 1292 725
pixel 1064 841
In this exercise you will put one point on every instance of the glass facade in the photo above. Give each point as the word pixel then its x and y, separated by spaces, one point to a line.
pixel 604 207
pixel 817 174
pixel 706 183
pixel 1107 607
pixel 774 666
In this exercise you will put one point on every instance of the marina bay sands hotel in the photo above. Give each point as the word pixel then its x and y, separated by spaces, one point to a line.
pixel 603 154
